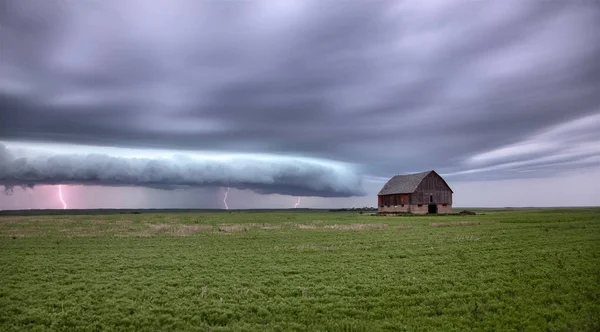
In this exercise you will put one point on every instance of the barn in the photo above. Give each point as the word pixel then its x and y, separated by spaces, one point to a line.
pixel 418 193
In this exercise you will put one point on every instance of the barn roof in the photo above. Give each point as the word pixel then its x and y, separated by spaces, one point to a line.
pixel 403 184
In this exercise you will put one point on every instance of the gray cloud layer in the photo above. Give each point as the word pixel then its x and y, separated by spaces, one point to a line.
pixel 287 176
pixel 394 86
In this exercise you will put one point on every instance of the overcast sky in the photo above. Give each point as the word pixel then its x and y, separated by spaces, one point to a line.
pixel 166 103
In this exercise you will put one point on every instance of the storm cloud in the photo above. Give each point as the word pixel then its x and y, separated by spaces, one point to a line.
pixel 288 176
pixel 475 90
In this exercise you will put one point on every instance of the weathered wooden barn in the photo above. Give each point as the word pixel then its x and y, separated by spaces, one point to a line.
pixel 418 193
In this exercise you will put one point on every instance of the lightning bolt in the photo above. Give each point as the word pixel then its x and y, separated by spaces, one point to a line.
pixel 225 199
pixel 297 203
pixel 60 196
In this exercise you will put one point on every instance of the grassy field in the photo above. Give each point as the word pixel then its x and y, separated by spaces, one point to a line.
pixel 498 271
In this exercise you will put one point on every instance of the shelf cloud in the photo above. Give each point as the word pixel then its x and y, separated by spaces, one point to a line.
pixel 286 176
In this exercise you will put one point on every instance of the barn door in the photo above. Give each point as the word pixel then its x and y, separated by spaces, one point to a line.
pixel 432 209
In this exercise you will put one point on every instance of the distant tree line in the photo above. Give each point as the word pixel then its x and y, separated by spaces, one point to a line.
pixel 362 209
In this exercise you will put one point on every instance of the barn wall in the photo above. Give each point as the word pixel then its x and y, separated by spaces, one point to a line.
pixel 439 197
pixel 405 199
pixel 393 200
pixel 393 203
pixel 397 208
pixel 433 182
pixel 424 208
pixel 444 209
pixel 433 185
pixel 416 209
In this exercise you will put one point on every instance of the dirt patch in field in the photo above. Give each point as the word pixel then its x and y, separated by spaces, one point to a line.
pixel 96 221
pixel 315 247
pixel 263 226
pixel 403 227
pixel 270 227
pixel 232 228
pixel 356 227
pixel 452 224
pixel 82 232
pixel 346 227
pixel 301 226
pixel 163 228
pixel 179 229
pixel 17 236
pixel 21 233
pixel 32 219
pixel 10 220
pixel 191 229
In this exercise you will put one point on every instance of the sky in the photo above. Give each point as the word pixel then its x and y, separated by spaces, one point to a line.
pixel 167 103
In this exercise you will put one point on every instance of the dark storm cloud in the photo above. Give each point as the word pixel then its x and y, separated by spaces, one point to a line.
pixel 288 176
pixel 394 86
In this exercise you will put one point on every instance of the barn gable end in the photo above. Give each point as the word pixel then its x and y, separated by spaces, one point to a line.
pixel 433 181
pixel 432 190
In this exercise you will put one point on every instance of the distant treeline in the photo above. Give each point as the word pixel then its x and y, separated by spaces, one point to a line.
pixel 365 209
pixel 41 212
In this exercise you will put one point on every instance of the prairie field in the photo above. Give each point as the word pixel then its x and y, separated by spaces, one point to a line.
pixel 499 270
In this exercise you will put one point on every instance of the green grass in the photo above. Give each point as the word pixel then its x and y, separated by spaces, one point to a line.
pixel 501 271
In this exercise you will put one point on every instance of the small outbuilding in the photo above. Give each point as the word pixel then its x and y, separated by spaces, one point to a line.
pixel 418 193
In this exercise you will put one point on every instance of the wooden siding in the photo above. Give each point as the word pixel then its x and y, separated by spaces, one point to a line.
pixel 439 197
pixel 432 190
pixel 433 182
pixel 415 209
pixel 393 200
